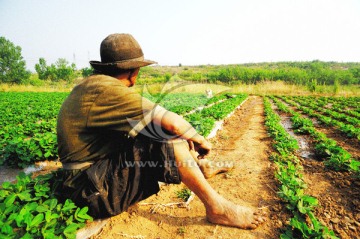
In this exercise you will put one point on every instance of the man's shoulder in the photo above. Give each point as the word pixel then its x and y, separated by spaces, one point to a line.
pixel 102 80
pixel 98 84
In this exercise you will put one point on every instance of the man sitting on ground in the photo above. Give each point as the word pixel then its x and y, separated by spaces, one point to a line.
pixel 115 146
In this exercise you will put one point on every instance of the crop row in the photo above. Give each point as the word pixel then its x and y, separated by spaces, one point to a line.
pixel 351 131
pixel 346 102
pixel 326 149
pixel 203 121
pixel 319 106
pixel 304 223
pixel 341 107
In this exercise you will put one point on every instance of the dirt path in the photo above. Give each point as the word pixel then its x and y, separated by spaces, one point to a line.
pixel 243 139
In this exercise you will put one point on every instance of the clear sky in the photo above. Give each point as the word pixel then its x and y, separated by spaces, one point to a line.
pixel 190 32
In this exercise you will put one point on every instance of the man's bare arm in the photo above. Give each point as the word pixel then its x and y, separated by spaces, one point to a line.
pixel 176 125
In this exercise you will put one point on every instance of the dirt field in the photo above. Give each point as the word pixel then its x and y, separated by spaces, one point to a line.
pixel 243 139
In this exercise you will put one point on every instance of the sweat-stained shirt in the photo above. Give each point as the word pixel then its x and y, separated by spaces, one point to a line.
pixel 95 115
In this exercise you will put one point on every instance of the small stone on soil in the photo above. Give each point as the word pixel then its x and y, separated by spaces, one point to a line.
pixel 335 220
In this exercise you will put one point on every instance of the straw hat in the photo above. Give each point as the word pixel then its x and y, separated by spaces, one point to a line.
pixel 120 51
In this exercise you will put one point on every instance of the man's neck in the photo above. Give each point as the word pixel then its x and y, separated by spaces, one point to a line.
pixel 126 82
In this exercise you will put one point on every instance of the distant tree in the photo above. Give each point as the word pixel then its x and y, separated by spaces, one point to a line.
pixel 61 70
pixel 355 71
pixel 42 69
pixel 12 65
pixel 64 71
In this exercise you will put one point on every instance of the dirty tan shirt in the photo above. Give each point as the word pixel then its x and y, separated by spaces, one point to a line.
pixel 95 118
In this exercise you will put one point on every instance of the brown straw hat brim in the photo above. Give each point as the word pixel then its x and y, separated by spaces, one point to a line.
pixel 124 65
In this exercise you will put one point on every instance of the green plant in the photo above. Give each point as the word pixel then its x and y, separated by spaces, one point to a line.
pixel 184 194
pixel 292 185
pixel 336 87
pixel 181 230
pixel 28 127
pixel 312 85
pixel 87 71
pixel 28 209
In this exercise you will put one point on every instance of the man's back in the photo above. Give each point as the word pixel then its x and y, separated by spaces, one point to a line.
pixel 94 117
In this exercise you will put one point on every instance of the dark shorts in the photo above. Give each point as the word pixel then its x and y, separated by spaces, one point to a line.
pixel 109 186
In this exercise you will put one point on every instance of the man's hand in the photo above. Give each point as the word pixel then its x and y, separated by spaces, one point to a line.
pixel 203 149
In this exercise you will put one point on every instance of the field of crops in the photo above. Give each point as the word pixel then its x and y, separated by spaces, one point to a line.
pixel 28 135
pixel 326 128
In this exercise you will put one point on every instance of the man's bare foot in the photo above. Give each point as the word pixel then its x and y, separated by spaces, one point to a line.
pixel 230 214
pixel 211 168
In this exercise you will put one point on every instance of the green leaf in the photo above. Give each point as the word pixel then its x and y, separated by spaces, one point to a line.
pixel 10 200
pixel 287 235
pixel 38 219
pixel 27 236
pixel 7 229
pixel 48 154
pixel 70 231
pixel 68 206
pixel 11 208
pixel 20 220
pixel 3 194
pixel 27 220
pixel 6 185
pixel 12 217
pixel 316 224
pixel 52 203
pixel 312 201
pixel 355 165
pixel 41 208
pixel 49 216
pixel 48 234
pixel 38 153
pixel 81 214
pixel 25 195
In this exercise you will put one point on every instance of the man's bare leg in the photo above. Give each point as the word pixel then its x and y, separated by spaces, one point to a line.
pixel 218 209
pixel 210 168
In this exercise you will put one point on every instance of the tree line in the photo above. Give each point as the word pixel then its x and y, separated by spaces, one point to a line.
pixel 13 70
pixel 299 73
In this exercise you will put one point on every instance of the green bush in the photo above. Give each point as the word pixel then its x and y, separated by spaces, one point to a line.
pixel 312 85
pixel 87 71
